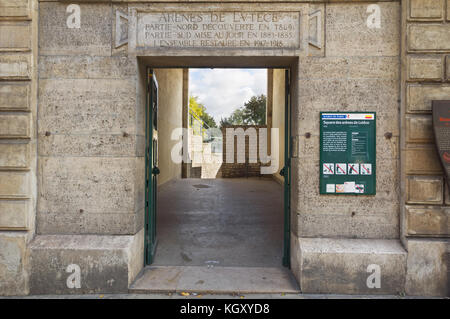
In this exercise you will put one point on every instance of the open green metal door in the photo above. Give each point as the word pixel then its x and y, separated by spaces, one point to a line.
pixel 151 165
pixel 287 173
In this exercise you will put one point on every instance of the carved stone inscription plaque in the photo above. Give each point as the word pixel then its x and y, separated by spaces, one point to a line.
pixel 218 30
pixel 441 125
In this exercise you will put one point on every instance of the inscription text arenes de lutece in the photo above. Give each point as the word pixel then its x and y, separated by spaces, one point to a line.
pixel 219 29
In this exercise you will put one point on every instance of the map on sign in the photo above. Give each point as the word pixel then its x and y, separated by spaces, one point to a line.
pixel 348 153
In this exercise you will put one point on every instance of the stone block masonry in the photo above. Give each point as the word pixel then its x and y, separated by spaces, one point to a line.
pixel 88 139
pixel 18 83
pixel 425 223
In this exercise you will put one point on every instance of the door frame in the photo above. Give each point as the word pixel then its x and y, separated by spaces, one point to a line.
pixel 150 239
pixel 287 170
pixel 286 256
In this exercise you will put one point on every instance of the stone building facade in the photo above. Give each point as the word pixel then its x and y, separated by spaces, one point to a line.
pixel 72 134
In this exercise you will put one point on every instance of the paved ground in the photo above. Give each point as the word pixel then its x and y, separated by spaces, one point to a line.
pixel 219 235
pixel 221 222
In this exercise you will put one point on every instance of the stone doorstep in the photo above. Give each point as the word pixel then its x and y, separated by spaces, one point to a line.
pixel 340 266
pixel 107 264
pixel 215 280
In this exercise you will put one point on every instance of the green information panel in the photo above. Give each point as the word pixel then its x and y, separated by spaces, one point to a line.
pixel 347 153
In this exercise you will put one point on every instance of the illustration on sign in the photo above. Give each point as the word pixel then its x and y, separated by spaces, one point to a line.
pixel 348 153
pixel 441 125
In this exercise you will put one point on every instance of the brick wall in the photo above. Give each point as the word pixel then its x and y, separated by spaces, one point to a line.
pixel 249 168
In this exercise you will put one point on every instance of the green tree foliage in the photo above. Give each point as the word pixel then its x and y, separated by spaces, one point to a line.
pixel 200 110
pixel 255 110
pixel 236 118
pixel 252 113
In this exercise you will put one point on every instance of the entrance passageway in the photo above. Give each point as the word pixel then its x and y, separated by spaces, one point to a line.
pixel 220 222
pixel 220 236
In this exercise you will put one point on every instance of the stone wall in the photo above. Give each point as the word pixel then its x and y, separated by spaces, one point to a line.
pixel 425 201
pixel 91 160
pixel 278 116
pixel 356 70
pixel 18 56
pixel 91 146
pixel 170 106
pixel 89 135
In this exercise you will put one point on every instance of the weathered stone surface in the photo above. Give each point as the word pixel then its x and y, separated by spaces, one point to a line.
pixel 92 38
pixel 428 37
pixel 347 33
pixel 86 67
pixel 422 160
pixel 419 129
pixel 447 195
pixel 139 15
pixel 448 10
pixel 342 84
pixel 386 148
pixel 149 26
pixel 87 106
pixel 447 63
pixel 14 184
pixel 15 36
pixel 378 95
pixel 82 195
pixel 425 68
pixel 424 190
pixel 316 29
pixel 89 223
pixel 295 256
pixel 14 214
pixel 14 264
pixel 419 97
pixel 14 126
pixel 426 9
pixel 108 264
pixel 14 155
pixel 87 145
pixel 14 8
pixel 340 265
pixel 344 216
pixel 427 221
pixel 14 96
pixel 360 67
pixel 427 268
pixel 15 66
pixel 342 224
pixel 94 185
